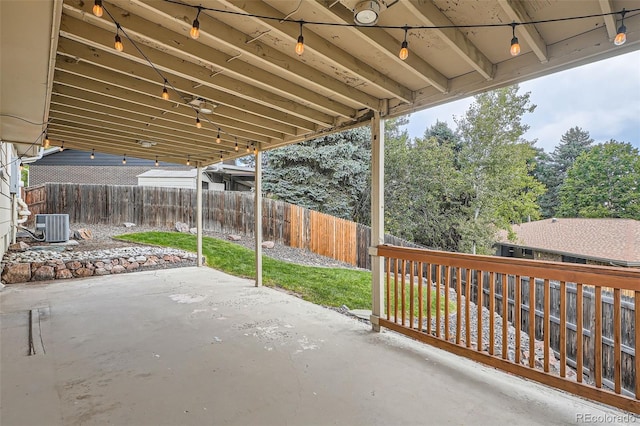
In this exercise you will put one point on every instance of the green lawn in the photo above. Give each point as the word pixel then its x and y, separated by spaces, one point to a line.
pixel 323 286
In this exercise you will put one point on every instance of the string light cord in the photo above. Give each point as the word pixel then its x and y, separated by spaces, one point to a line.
pixel 397 27
pixel 24 119
pixel 19 158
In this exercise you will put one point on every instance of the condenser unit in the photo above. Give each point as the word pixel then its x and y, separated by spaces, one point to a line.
pixel 54 226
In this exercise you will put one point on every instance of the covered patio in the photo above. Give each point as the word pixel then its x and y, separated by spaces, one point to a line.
pixel 195 346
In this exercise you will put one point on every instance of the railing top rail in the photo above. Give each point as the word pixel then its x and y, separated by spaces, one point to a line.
pixel 604 276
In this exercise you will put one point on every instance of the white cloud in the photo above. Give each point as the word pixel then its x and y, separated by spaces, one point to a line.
pixel 602 98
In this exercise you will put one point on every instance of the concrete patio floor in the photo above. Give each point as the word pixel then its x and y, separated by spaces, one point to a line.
pixel 194 346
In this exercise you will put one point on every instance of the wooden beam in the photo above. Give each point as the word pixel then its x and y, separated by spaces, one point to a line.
pixel 517 13
pixel 329 51
pixel 386 43
pixel 427 13
pixel 609 20
pixel 256 54
pixel 194 59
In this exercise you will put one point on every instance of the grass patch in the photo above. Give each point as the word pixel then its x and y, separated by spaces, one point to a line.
pixel 323 286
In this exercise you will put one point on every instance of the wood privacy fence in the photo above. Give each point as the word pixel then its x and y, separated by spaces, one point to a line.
pixel 586 298
pixel 223 211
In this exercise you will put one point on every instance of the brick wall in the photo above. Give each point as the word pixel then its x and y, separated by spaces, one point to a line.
pixel 103 175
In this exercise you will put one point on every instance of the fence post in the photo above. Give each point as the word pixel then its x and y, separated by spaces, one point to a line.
pixel 377 219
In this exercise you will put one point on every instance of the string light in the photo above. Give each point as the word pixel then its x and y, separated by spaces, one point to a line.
pixel 118 43
pixel 47 143
pixel 621 37
pixel 218 137
pixel 248 150
pixel 198 123
pixel 515 46
pixel 165 92
pixel 188 160
pixel 404 47
pixel 93 154
pixel 300 43
pixel 236 148
pixel 98 10
pixel 62 147
pixel 195 28
pixel 124 159
pixel 157 164
pixel 221 156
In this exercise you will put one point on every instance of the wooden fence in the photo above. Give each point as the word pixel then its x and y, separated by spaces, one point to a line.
pixel 223 212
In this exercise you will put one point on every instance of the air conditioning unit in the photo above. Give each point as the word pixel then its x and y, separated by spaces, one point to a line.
pixel 54 226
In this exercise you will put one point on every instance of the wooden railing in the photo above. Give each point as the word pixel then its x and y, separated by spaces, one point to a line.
pixel 440 298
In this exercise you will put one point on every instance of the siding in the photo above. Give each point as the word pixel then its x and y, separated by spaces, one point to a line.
pixel 6 152
pixel 99 175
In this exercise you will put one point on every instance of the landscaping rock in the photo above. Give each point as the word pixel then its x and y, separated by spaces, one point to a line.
pixel 63 274
pixel 44 273
pixel 118 269
pixel 17 273
pixel 182 227
pixel 132 266
pixel 101 271
pixel 74 265
pixel 129 224
pixel 193 231
pixel 268 244
pixel 83 234
pixel 83 272
pixel 234 237
pixel 19 246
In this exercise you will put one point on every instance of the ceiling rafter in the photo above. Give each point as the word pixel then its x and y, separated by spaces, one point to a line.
pixel 387 44
pixel 196 59
pixel 428 13
pixel 609 20
pixel 255 53
pixel 517 13
pixel 337 56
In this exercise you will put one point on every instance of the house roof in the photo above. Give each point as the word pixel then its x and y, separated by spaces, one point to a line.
pixel 611 240
pixel 64 75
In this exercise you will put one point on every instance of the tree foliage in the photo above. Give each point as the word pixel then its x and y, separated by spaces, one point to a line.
pixel 603 182
pixel 328 174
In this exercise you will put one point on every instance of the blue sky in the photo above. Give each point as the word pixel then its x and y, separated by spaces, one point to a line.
pixel 602 98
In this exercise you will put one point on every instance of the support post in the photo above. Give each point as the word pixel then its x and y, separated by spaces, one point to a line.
pixel 199 213
pixel 377 219
pixel 258 215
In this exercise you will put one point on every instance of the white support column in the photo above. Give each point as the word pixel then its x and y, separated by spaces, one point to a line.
pixel 199 213
pixel 258 216
pixel 377 219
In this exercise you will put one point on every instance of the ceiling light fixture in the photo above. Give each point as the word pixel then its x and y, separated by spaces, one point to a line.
pixel 621 37
pixel 300 43
pixel 98 10
pixel 366 13
pixel 195 28
pixel 515 46
pixel 404 47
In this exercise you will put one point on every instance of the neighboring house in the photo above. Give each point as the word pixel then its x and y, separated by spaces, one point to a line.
pixel 234 178
pixel 73 166
pixel 176 179
pixel 613 242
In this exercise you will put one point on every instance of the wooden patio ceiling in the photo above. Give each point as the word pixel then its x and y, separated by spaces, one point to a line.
pixel 244 68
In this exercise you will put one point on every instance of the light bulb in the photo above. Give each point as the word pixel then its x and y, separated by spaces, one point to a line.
pixel 97 8
pixel 404 51
pixel 218 137
pixel 236 147
pixel 248 150
pixel 198 123
pixel 62 147
pixel 515 47
pixel 188 160
pixel 93 154
pixel 157 161
pixel 621 37
pixel 124 160
pixel 165 94
pixel 300 46
pixel 118 44
pixel 195 30
pixel 47 142
pixel 21 166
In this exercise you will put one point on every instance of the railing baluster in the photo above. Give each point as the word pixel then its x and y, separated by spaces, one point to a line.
pixel 395 291
pixel 532 322
pixel 617 348
pixel 388 289
pixel 517 315
pixel 429 298
pixel 447 275
pixel 547 324
pixel 458 304
pixel 411 294
pixel 492 310
pixel 563 329
pixel 467 309
pixel 505 315
pixel 403 281
pixel 637 338
pixel 597 353
pixel 480 287
pixel 579 333
pixel 420 301
pixel 438 280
